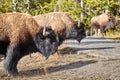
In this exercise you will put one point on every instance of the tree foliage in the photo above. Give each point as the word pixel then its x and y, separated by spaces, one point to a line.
pixel 90 9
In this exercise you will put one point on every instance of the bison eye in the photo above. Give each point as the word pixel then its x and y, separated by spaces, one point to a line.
pixel 52 36
pixel 109 19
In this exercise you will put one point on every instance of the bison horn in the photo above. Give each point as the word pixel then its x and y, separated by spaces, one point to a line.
pixel 78 23
pixel 45 33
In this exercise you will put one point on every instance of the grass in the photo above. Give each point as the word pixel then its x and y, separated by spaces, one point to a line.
pixel 57 67
pixel 36 67
pixel 113 35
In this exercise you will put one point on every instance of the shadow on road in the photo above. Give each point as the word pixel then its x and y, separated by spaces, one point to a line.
pixel 51 69
pixel 73 50
pixel 73 65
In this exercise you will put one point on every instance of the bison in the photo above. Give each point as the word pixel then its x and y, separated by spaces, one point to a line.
pixel 20 35
pixel 63 25
pixel 102 22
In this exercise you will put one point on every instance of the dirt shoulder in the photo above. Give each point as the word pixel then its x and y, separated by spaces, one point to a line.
pixel 86 61
pixel 76 66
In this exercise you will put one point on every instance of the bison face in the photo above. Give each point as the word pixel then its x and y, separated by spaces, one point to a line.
pixel 77 32
pixel 110 23
pixel 81 31
pixel 46 42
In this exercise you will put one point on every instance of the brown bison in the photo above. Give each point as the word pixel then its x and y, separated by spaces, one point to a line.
pixel 20 35
pixel 102 22
pixel 63 25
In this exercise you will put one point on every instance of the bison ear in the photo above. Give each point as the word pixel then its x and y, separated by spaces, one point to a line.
pixel 45 32
pixel 109 19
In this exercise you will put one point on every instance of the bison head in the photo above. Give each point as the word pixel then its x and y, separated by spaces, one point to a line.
pixel 110 23
pixel 77 32
pixel 46 41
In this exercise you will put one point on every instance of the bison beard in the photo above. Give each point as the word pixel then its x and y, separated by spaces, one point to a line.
pixel 20 35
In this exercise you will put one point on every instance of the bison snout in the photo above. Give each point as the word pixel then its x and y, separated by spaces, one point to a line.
pixel 81 37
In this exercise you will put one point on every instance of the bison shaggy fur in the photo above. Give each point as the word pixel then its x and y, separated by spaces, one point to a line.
pixel 63 25
pixel 21 35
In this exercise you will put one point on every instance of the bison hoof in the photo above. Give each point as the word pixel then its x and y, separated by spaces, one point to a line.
pixel 13 73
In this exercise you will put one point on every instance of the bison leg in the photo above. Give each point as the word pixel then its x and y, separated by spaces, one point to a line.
pixel 91 30
pixel 96 31
pixel 102 31
pixel 11 60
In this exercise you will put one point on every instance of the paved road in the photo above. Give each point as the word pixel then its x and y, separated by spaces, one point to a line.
pixel 100 45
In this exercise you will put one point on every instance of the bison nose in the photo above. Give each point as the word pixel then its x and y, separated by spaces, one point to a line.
pixel 81 37
pixel 79 40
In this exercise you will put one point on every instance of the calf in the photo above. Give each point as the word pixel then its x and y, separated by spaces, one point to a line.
pixel 102 22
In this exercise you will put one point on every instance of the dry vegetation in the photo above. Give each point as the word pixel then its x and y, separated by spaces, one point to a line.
pixel 68 65
pixel 114 35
